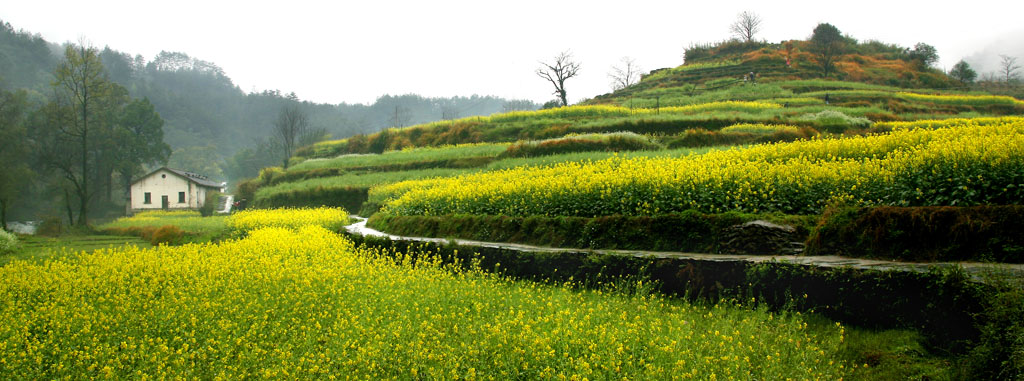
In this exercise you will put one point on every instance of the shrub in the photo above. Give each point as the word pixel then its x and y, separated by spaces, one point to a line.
pixel 51 226
pixel 8 241
pixel 210 204
pixel 268 174
pixel 700 137
pixel 166 235
pixel 349 197
pixel 922 233
pixel 618 141
pixel 835 121
pixel 760 128
pixel 247 189
pixel 999 354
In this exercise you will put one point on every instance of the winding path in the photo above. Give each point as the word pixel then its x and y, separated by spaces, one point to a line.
pixel 977 270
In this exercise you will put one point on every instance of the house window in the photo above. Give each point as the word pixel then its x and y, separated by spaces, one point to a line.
pixel 148 199
pixel 181 197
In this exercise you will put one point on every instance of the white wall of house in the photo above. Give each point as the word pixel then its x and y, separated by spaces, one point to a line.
pixel 180 193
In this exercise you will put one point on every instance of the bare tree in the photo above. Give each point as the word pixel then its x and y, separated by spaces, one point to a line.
pixel 449 112
pixel 746 26
pixel 290 126
pixel 1008 67
pixel 625 75
pixel 399 118
pixel 558 72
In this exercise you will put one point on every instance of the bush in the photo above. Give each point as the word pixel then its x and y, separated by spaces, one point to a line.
pixel 350 198
pixel 268 174
pixel 166 235
pixel 700 137
pixel 8 241
pixel 51 226
pixel 977 233
pixel 999 354
pixel 834 121
pixel 618 141
pixel 210 204
pixel 247 189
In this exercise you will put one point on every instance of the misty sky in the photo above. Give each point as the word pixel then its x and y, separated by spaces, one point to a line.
pixel 344 51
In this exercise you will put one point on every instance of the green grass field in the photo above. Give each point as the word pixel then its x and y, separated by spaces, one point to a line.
pixel 39 248
pixel 403 157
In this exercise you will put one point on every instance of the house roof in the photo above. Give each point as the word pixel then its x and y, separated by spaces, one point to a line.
pixel 193 177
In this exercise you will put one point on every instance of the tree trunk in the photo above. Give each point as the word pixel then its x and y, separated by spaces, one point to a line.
pixel 67 206
pixel 83 192
pixel 108 184
pixel 3 213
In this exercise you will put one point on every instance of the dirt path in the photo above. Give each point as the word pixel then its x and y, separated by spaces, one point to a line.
pixel 975 269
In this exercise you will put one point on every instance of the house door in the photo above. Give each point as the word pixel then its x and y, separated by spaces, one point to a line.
pixel 164 203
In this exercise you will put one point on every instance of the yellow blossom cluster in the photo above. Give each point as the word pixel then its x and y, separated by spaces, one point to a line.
pixel 962 99
pixel 761 128
pixel 252 219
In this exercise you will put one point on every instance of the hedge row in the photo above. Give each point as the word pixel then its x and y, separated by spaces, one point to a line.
pixel 977 233
pixel 350 198
pixel 690 231
pixel 465 162
pixel 704 138
pixel 938 233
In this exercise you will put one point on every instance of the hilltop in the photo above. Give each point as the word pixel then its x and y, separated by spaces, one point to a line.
pixel 872 82
pixel 710 101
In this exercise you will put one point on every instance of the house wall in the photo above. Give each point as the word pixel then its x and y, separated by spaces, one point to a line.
pixel 165 183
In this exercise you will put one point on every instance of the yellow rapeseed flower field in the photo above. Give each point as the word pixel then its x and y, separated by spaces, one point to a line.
pixel 957 162
pixel 252 219
pixel 760 128
pixel 304 303
pixel 962 98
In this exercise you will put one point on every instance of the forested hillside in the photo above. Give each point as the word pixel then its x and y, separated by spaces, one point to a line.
pixel 209 119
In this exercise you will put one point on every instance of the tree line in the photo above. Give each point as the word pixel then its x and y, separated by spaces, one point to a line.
pixel 80 146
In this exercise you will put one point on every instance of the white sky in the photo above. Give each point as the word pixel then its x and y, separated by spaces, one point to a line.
pixel 344 51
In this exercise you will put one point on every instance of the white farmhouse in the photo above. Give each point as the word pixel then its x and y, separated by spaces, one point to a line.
pixel 167 188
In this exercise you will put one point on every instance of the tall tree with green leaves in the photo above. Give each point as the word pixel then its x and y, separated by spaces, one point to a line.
pixel 827 45
pixel 924 55
pixel 14 150
pixel 963 72
pixel 140 131
pixel 84 105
